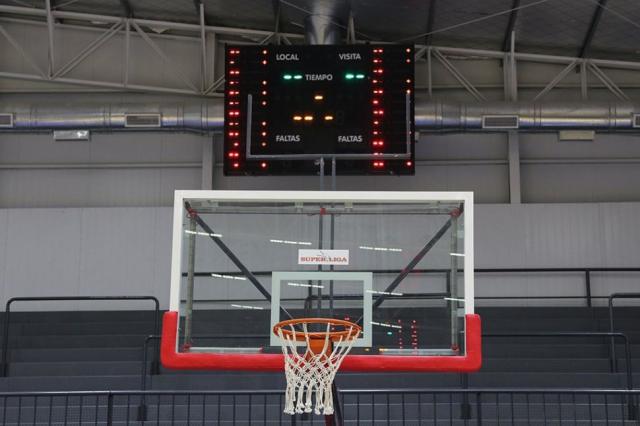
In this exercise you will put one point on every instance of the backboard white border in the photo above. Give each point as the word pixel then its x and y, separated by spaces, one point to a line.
pixel 327 197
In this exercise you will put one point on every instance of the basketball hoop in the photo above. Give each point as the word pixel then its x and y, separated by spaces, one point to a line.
pixel 313 372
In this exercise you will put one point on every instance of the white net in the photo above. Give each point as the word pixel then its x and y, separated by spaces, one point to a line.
pixel 310 375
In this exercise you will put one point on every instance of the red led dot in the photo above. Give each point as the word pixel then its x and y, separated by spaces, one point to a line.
pixel 376 122
pixel 264 62
pixel 263 103
pixel 264 52
pixel 263 165
pixel 409 163
pixel 408 80
pixel 236 165
pixel 408 60
pixel 236 144
pixel 408 50
pixel 375 101
pixel 264 92
pixel 264 123
pixel 264 133
pixel 264 82
pixel 263 144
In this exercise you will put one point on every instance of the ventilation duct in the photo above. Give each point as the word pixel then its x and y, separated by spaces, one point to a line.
pixel 6 120
pixel 207 116
pixel 450 116
pixel 142 120
pixel 499 121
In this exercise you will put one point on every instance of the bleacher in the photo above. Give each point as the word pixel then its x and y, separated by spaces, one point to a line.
pixel 101 352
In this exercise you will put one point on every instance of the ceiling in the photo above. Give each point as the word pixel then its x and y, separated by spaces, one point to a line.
pixel 558 27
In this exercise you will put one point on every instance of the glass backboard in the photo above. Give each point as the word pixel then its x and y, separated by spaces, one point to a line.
pixel 400 264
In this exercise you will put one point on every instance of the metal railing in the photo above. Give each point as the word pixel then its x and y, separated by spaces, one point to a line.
pixel 612 345
pixel 4 365
pixel 360 407
pixel 587 273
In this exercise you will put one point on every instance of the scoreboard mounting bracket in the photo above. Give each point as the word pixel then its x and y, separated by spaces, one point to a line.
pixel 286 107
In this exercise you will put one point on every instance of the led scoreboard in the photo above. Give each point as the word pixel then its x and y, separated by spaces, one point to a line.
pixel 287 106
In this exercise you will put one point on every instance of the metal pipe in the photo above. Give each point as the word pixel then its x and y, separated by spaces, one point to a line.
pixel 208 115
pixel 191 261
pixel 453 282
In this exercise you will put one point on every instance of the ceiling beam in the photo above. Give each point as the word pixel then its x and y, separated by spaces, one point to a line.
pixel 277 20
pixel 513 18
pixel 181 26
pixel 430 21
pixel 593 27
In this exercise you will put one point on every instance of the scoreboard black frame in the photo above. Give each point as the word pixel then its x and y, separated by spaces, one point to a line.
pixel 288 106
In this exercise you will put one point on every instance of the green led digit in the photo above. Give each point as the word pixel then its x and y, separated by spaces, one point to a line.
pixel 297 77
pixel 360 76
pixel 287 76
pixel 349 76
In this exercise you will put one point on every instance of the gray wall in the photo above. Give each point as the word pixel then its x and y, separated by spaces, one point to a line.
pixel 143 169
pixel 126 250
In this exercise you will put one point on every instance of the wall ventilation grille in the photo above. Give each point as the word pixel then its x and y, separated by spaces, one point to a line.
pixel 6 120
pixel 142 120
pixel 499 121
pixel 636 120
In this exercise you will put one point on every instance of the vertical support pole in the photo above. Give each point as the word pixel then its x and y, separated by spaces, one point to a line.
pixel 513 75
pixel 453 294
pixel 478 409
pixel 191 260
pixel 613 358
pixel 50 24
pixel 320 246
pixel 465 408
pixel 515 196
pixel 429 74
pixel 583 80
pixel 208 162
pixel 203 58
pixel 321 165
pixel 332 231
pixel 505 76
pixel 587 283
pixel 5 339
pixel 333 173
pixel 109 409
pixel 127 48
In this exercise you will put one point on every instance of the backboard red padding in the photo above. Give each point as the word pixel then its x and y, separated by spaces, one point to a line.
pixel 172 359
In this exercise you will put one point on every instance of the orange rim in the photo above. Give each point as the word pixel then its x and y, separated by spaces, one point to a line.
pixel 351 330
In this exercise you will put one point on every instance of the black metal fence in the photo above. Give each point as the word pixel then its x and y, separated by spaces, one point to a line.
pixel 360 407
